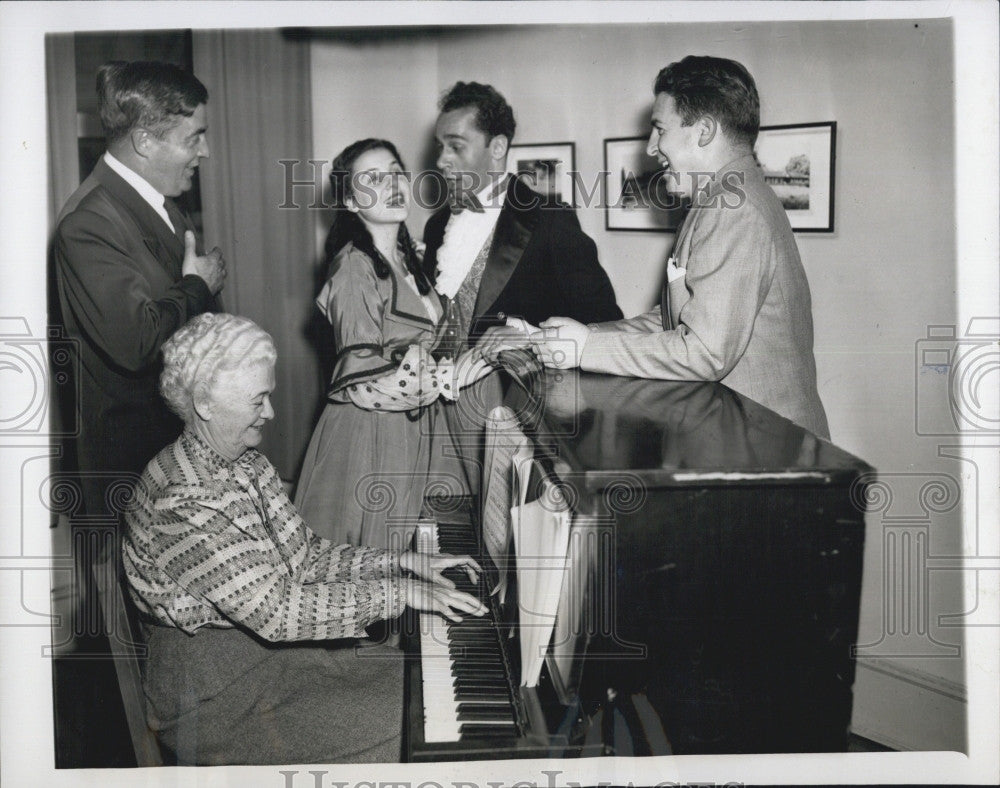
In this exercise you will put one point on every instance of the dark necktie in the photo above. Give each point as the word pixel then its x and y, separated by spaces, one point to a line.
pixel 176 217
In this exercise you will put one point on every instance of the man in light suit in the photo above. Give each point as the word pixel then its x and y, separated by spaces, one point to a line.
pixel 499 249
pixel 128 269
pixel 735 305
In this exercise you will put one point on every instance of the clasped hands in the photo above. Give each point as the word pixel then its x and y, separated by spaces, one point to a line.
pixel 558 342
pixel 434 592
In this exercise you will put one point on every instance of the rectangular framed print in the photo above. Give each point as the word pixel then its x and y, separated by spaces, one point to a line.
pixel 635 189
pixel 797 161
pixel 547 168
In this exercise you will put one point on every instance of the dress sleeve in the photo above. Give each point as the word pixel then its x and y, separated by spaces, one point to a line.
pixel 286 585
pixel 329 562
pixel 417 381
pixel 352 303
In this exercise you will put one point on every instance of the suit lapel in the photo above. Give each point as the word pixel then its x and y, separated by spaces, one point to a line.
pixel 162 244
pixel 517 221
pixel 668 309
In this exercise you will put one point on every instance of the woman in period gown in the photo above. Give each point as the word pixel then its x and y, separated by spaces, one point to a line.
pixel 367 465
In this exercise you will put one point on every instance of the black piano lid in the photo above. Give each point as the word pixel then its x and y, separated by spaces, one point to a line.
pixel 669 433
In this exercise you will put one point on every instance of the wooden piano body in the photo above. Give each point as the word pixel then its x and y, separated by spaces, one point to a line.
pixel 715 573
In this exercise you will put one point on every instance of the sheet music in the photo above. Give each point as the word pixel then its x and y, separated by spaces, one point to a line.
pixel 581 564
pixel 505 445
pixel 541 536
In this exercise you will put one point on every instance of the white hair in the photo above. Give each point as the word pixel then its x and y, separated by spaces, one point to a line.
pixel 205 346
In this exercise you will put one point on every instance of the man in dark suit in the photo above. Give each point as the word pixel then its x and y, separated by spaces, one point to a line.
pixel 499 250
pixel 128 268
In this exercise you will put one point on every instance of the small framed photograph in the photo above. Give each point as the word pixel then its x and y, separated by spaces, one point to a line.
pixel 797 161
pixel 547 168
pixel 636 190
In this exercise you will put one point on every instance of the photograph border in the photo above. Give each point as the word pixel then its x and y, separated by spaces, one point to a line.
pixel 27 743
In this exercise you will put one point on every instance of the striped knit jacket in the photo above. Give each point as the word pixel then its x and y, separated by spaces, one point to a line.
pixel 214 543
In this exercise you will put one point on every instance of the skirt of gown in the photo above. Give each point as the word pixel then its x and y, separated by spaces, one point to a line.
pixel 365 473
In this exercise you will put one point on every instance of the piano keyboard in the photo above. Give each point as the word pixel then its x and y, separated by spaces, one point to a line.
pixel 464 676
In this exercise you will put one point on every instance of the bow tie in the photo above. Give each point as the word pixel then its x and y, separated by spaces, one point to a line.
pixel 464 201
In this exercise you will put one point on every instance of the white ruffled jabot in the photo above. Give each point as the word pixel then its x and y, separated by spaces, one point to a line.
pixel 463 238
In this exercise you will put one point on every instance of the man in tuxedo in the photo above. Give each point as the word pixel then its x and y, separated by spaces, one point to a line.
pixel 499 250
pixel 129 270
pixel 735 305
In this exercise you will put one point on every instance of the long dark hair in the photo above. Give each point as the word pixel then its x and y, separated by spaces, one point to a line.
pixel 348 227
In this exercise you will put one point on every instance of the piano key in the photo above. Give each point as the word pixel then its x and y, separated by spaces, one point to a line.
pixel 469 683
pixel 486 729
pixel 483 715
pixel 463 673
pixel 474 694
pixel 474 653
pixel 482 704
pixel 472 682
pixel 481 670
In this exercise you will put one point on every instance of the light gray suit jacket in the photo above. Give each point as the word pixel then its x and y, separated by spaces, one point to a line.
pixel 742 315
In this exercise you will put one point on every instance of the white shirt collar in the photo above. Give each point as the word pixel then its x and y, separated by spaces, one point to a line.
pixel 141 185
pixel 464 237
pixel 487 197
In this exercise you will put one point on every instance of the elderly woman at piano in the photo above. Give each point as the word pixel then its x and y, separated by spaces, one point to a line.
pixel 229 581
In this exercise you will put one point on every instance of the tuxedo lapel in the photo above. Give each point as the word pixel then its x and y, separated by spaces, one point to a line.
pixel 517 222
pixel 162 244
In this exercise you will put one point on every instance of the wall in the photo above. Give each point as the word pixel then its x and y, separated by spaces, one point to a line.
pixel 878 282
pixel 372 85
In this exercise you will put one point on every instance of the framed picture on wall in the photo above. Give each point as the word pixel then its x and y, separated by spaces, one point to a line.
pixel 797 161
pixel 636 189
pixel 546 167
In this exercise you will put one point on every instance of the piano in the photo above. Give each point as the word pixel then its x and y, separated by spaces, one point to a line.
pixel 711 596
